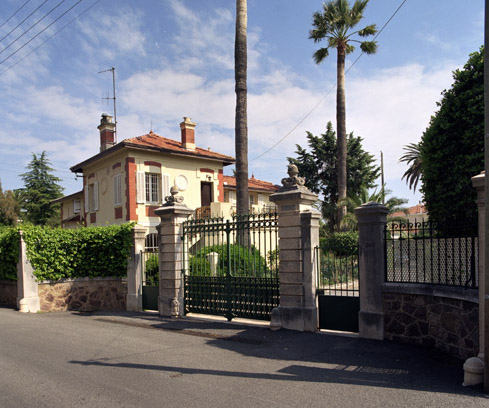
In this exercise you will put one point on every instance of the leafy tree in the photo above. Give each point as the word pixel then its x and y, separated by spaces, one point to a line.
pixel 40 188
pixel 319 167
pixel 334 24
pixel 9 208
pixel 241 116
pixel 412 158
pixel 452 149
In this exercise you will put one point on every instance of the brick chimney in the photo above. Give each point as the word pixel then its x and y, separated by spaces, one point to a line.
pixel 107 132
pixel 188 134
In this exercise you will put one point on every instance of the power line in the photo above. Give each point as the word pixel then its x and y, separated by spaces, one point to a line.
pixel 327 93
pixel 18 25
pixel 40 32
pixel 15 12
pixel 51 36
pixel 35 24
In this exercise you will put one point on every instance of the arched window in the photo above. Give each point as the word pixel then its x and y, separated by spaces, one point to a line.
pixel 151 242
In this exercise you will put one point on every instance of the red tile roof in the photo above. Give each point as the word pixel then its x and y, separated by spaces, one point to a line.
pixel 253 184
pixel 417 209
pixel 154 141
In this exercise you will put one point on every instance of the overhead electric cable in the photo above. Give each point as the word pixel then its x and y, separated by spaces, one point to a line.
pixel 327 93
pixel 33 25
pixel 15 12
pixel 40 32
pixel 51 36
pixel 18 25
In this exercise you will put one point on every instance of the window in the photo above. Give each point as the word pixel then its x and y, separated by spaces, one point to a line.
pixel 91 197
pixel 152 187
pixel 252 199
pixel 76 206
pixel 117 189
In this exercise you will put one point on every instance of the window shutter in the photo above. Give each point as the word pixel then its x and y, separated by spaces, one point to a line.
pixel 165 186
pixel 117 189
pixel 95 196
pixel 232 197
pixel 261 199
pixel 87 207
pixel 76 206
pixel 140 187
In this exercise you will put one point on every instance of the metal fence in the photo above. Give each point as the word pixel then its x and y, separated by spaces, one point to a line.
pixel 337 275
pixel 422 252
pixel 231 266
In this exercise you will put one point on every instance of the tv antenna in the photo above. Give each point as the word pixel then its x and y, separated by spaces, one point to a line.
pixel 113 98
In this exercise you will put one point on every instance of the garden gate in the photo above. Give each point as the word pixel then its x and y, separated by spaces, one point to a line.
pixel 230 267
pixel 150 269
pixel 338 289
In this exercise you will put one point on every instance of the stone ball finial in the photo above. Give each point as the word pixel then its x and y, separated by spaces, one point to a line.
pixel 293 179
pixel 173 198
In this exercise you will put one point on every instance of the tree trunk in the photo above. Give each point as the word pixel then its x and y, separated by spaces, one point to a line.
pixel 241 118
pixel 341 132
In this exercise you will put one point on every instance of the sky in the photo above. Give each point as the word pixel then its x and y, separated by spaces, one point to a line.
pixel 175 58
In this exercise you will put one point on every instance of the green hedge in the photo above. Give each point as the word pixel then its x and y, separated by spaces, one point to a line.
pixel 244 261
pixel 57 253
pixel 341 243
pixel 9 253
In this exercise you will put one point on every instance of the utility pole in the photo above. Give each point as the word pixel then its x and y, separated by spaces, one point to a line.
pixel 113 98
pixel 382 176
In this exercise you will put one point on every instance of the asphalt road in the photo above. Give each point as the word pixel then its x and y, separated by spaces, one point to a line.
pixel 122 360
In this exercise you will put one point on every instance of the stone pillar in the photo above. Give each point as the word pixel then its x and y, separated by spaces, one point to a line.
pixel 478 183
pixel 172 214
pixel 298 237
pixel 27 291
pixel 134 298
pixel 372 218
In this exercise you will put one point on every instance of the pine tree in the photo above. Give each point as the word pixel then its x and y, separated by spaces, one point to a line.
pixel 40 188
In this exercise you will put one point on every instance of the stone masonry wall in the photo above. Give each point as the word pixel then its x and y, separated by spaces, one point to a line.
pixel 8 293
pixel 83 294
pixel 450 325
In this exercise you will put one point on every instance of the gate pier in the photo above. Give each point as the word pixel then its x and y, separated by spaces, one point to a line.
pixel 298 236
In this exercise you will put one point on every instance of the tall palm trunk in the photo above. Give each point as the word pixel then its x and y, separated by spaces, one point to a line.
pixel 241 118
pixel 341 132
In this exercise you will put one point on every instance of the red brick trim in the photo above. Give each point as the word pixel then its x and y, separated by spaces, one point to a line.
pixel 204 170
pixel 117 213
pixel 93 218
pixel 220 187
pixel 150 210
pixel 131 189
pixel 152 163
pixel 115 165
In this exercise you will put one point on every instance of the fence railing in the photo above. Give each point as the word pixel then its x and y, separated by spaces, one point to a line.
pixel 423 252
pixel 337 275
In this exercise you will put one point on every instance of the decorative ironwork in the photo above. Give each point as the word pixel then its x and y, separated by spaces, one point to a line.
pixel 173 198
pixel 293 179
pixel 424 252
pixel 231 266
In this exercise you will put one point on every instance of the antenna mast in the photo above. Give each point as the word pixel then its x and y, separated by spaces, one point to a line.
pixel 113 98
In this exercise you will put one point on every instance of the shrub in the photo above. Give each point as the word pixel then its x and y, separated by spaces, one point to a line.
pixel 9 253
pixel 57 253
pixel 341 243
pixel 244 261
pixel 152 269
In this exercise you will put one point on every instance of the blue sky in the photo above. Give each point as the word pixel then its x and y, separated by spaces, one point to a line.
pixel 174 58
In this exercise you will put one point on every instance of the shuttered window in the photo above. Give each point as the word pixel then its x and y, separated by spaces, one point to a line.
pixel 117 189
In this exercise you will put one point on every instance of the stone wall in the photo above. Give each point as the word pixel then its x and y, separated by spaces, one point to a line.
pixel 8 293
pixel 83 294
pixel 444 318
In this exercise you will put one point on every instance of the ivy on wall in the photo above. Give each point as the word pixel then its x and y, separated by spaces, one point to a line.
pixel 9 253
pixel 57 253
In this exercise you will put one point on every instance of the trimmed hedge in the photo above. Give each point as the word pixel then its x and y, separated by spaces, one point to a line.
pixel 9 253
pixel 244 261
pixel 341 243
pixel 57 253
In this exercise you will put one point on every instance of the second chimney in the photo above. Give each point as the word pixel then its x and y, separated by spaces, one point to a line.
pixel 188 133
pixel 107 132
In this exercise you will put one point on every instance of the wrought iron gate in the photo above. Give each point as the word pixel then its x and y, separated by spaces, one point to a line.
pixel 230 267
pixel 150 279
pixel 338 290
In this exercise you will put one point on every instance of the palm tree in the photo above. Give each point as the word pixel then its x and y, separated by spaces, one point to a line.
pixel 412 157
pixel 241 118
pixel 334 24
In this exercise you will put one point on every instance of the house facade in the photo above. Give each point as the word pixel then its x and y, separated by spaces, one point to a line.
pixel 127 181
